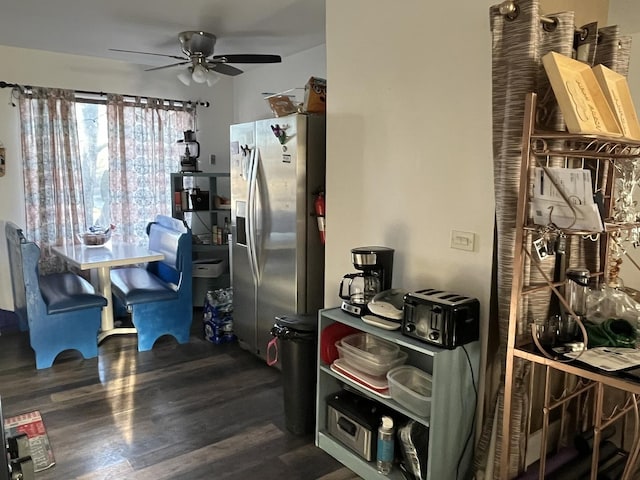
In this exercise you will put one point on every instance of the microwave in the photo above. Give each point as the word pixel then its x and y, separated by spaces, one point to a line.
pixel 441 318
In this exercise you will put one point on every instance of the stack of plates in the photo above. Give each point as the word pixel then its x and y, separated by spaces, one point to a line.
pixel 376 385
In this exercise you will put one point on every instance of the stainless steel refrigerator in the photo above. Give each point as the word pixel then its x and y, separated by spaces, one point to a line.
pixel 277 168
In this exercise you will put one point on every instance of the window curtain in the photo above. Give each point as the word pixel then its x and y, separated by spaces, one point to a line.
pixel 52 175
pixel 143 152
pixel 520 38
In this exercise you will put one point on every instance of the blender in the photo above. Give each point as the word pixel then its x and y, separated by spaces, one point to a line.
pixel 375 265
pixel 189 161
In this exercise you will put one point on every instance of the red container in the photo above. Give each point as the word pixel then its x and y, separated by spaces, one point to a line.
pixel 328 338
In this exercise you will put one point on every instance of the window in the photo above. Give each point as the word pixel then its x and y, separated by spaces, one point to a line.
pixel 94 153
pixel 128 150
pixel 96 160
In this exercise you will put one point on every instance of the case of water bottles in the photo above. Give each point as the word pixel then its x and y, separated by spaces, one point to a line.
pixel 218 316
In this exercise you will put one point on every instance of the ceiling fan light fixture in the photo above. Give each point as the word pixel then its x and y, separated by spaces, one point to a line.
pixel 185 77
pixel 197 53
pixel 212 78
pixel 199 74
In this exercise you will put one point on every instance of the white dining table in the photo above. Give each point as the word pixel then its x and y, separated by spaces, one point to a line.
pixel 100 260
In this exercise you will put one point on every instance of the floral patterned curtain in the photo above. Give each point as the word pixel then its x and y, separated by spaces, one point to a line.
pixel 52 175
pixel 142 154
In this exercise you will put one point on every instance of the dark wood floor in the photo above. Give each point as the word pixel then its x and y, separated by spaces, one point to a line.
pixel 195 411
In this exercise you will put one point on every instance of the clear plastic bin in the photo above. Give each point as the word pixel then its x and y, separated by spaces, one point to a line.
pixel 368 363
pixel 370 347
pixel 411 388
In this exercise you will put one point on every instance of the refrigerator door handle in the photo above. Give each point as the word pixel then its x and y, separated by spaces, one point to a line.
pixel 251 234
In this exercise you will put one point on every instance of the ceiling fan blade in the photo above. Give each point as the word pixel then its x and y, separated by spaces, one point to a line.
pixel 167 66
pixel 147 53
pixel 224 69
pixel 247 58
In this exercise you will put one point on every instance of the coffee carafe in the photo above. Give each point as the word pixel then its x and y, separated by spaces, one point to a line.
pixel 375 265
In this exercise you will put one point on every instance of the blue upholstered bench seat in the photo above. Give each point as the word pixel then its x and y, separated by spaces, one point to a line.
pixel 60 311
pixel 158 294
pixel 137 285
pixel 67 292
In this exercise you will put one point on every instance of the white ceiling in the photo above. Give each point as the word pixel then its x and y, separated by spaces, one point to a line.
pixel 91 27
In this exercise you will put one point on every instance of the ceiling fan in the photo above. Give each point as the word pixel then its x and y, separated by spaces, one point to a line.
pixel 197 48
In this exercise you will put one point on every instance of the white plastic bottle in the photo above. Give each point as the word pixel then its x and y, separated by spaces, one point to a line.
pixel 385 445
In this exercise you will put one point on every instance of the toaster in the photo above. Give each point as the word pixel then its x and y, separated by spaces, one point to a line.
pixel 441 318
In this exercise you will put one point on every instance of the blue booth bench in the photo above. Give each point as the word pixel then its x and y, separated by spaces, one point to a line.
pixel 60 310
pixel 158 296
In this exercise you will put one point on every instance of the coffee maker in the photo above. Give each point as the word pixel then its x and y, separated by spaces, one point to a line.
pixel 375 265
pixel 189 161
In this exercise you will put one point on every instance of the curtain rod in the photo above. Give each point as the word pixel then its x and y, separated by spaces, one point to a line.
pixel 509 9
pixel 102 94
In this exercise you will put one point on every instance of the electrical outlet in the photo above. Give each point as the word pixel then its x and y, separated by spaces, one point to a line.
pixel 463 240
pixel 212 159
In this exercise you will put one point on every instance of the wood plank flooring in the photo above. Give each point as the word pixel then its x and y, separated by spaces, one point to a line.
pixel 194 411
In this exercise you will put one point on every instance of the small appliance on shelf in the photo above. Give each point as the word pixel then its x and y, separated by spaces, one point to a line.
pixel 441 318
pixel 353 420
pixel 386 309
pixel 376 270
pixel 189 161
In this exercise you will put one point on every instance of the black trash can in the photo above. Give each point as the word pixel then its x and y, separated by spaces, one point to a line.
pixel 298 348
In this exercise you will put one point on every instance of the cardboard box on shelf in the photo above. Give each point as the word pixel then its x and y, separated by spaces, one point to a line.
pixel 315 95
pixel 282 105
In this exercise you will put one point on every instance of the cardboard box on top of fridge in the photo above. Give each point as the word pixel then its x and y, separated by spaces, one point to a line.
pixel 282 105
pixel 315 96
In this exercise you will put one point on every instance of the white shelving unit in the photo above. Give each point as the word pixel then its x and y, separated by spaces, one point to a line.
pixel 201 222
pixel 453 402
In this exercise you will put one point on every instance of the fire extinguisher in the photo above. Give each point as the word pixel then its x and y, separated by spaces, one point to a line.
pixel 319 207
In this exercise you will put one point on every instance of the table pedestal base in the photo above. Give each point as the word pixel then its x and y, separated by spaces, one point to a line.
pixel 115 331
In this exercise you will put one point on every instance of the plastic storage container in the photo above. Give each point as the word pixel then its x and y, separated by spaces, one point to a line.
pixel 209 267
pixel 411 387
pixel 328 338
pixel 370 347
pixel 369 363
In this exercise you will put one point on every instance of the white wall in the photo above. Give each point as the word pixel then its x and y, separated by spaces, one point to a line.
pixel 409 141
pixel 626 14
pixel 585 10
pixel 31 67
pixel 292 73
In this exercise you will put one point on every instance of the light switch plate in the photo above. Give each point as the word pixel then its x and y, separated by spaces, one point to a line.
pixel 463 240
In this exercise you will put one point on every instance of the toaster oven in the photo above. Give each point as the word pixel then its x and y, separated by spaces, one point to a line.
pixel 441 318
pixel 353 420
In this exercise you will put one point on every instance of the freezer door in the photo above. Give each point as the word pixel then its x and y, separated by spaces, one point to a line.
pixel 281 221
pixel 242 146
